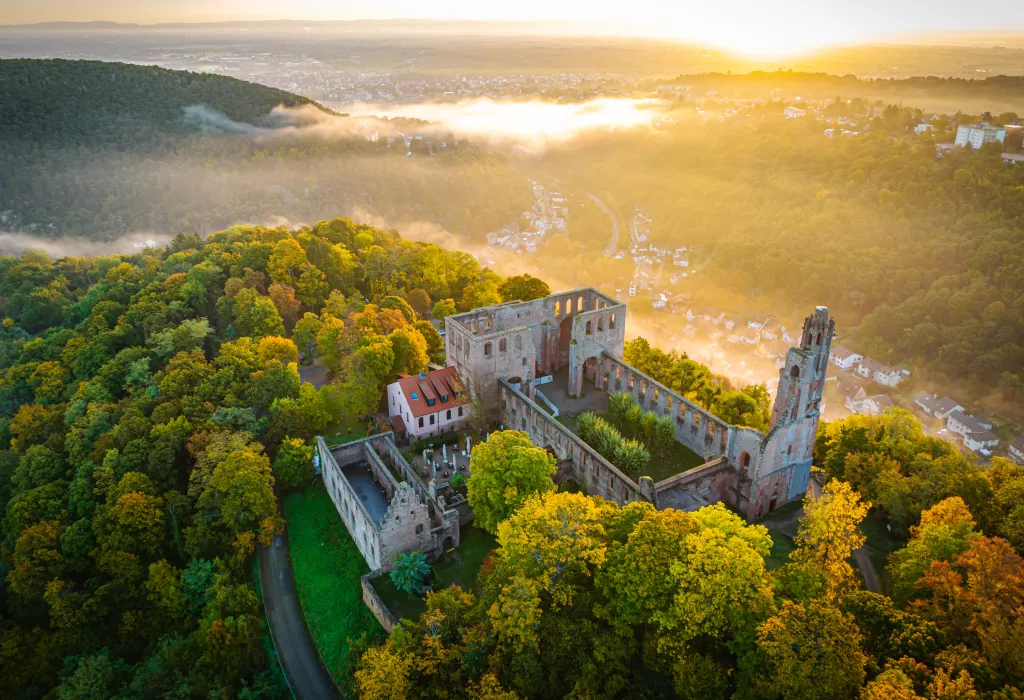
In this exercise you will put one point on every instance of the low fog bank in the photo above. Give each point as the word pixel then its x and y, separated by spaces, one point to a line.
pixel 13 243
pixel 532 122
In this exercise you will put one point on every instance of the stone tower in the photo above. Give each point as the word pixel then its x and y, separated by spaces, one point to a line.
pixel 788 448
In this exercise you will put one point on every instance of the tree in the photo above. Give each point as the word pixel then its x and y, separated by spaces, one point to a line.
pixel 293 465
pixel 443 309
pixel 435 343
pixel 285 302
pixel 523 288
pixel 808 651
pixel 829 533
pixel 273 348
pixel 503 472
pixel 384 674
pixel 287 262
pixel 305 335
pixel 410 349
pixel 256 316
pixel 419 300
pixel 410 572
pixel 945 530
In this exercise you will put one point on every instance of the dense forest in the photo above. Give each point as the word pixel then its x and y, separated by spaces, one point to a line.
pixel 583 598
pixel 920 257
pixel 102 149
pixel 151 404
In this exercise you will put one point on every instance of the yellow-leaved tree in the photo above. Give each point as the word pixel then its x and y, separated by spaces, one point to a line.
pixel 829 533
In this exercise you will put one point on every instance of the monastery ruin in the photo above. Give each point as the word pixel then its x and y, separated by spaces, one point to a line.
pixel 523 362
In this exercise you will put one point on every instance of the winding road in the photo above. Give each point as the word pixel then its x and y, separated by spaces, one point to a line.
pixel 295 648
pixel 614 243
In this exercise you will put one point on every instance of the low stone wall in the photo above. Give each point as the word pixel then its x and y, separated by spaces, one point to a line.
pixel 374 602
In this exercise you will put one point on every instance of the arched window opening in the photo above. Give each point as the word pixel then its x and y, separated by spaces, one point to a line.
pixel 819 338
pixel 519 343
pixel 558 309
pixel 488 349
pixel 419 529
pixel 744 460
pixel 590 329
pixel 502 345
pixel 611 322
pixel 794 372
pixel 600 324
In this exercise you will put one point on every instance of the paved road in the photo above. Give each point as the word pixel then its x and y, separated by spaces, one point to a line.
pixel 295 647
pixel 866 569
pixel 614 244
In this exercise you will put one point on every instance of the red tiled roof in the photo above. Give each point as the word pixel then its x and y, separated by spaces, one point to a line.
pixel 434 385
pixel 397 423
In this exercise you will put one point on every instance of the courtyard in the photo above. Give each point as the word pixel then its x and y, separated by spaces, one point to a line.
pixel 675 459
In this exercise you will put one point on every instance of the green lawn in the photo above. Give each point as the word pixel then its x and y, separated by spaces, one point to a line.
pixel 459 567
pixel 677 459
pixel 344 431
pixel 782 545
pixel 327 568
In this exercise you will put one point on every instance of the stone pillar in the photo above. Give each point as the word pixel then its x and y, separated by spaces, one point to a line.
pixel 575 380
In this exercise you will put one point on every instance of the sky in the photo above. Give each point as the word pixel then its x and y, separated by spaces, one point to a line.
pixel 749 26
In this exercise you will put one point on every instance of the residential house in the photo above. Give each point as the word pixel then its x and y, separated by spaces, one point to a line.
pixel 771 330
pixel 851 389
pixel 429 403
pixel 870 405
pixel 1013 158
pixel 934 406
pixel 976 432
pixel 866 367
pixel 1016 450
pixel 889 376
pixel 794 113
pixel 844 358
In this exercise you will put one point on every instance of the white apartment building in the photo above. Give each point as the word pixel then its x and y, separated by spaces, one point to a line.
pixel 978 135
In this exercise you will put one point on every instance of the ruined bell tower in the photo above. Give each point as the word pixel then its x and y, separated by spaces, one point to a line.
pixel 788 448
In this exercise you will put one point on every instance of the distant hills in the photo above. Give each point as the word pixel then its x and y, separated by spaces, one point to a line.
pixel 100 150
pixel 60 103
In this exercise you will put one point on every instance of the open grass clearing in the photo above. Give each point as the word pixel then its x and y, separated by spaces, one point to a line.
pixel 327 566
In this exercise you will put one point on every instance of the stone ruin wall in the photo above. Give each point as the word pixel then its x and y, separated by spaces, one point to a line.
pixel 599 476
pixel 413 522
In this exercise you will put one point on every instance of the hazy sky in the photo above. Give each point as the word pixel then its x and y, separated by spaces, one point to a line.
pixel 753 25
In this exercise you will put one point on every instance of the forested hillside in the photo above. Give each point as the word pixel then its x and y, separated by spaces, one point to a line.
pixel 103 149
pixel 149 405
pixel 920 257
pixel 59 104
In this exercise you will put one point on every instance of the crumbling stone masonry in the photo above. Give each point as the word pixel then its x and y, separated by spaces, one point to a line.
pixel 415 519
pixel 498 347
pixel 519 341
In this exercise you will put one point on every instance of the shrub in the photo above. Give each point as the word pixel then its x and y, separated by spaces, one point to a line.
pixel 411 572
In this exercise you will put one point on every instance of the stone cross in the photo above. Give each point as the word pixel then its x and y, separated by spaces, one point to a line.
pixel 444 452
pixel 467 444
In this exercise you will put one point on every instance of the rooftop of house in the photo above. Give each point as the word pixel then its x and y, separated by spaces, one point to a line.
pixel 1018 444
pixel 430 392
pixel 843 353
pixel 973 425
pixel 872 365
pixel 934 404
